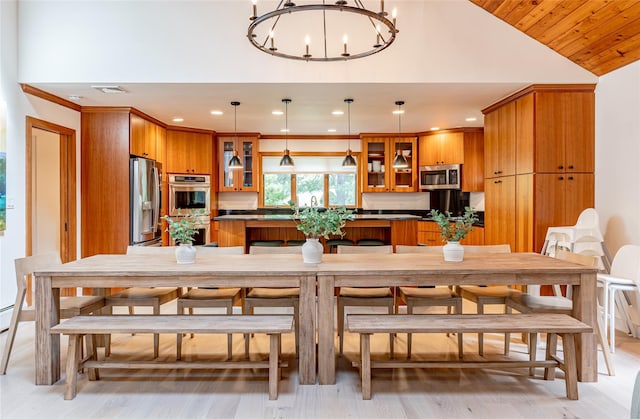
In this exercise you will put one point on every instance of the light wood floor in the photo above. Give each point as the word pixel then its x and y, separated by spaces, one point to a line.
pixel 409 393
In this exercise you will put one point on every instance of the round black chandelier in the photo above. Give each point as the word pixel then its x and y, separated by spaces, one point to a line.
pixel 320 31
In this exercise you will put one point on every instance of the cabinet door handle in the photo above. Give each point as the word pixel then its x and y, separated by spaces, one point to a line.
pixel 497 181
pixel 571 167
pixel 561 178
pixel 570 177
pixel 560 167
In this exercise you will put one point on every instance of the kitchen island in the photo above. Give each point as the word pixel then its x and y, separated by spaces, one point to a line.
pixel 242 229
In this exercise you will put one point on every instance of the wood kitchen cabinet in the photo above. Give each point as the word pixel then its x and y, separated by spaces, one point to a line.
pixel 144 137
pixel 500 141
pixel 238 180
pixel 549 199
pixel 441 148
pixel 429 234
pixel 553 136
pixel 189 151
pixel 378 174
pixel 500 211
pixel 555 132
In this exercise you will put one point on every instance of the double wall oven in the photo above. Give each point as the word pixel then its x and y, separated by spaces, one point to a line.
pixel 190 194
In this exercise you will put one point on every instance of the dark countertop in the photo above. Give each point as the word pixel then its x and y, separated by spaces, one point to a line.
pixel 283 217
pixel 285 213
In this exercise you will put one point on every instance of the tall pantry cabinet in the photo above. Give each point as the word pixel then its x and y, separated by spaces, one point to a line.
pixel 539 163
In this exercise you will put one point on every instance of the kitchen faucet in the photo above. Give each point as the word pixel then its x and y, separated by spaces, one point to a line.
pixel 314 201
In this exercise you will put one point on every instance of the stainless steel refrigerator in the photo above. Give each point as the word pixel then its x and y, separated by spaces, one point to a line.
pixel 144 204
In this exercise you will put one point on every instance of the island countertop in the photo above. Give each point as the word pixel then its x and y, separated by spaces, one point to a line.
pixel 278 217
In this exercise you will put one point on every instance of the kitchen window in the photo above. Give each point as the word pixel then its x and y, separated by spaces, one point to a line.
pixel 314 181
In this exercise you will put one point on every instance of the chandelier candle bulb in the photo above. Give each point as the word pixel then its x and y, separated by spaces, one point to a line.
pixel 345 40
pixel 394 14
pixel 255 9
pixel 271 36
pixel 382 8
pixel 307 41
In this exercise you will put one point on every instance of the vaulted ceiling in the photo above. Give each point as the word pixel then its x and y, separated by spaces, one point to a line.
pixel 599 35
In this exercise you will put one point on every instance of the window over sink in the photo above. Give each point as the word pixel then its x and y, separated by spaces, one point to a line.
pixel 313 181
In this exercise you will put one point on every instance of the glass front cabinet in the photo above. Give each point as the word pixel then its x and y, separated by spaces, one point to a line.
pixel 379 173
pixel 238 180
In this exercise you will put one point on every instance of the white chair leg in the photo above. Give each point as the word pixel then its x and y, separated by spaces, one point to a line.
pixel 612 321
pixel 13 327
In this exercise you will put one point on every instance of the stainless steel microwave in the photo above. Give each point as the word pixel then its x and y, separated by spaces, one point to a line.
pixel 445 176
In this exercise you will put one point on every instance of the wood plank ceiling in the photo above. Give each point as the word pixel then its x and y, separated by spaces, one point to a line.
pixel 599 35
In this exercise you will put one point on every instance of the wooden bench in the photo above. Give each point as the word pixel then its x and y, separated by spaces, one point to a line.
pixel 552 324
pixel 77 327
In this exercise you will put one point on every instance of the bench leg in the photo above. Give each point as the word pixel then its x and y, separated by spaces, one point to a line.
pixel 533 348
pixel 552 346
pixel 73 359
pixel 460 341
pixel 229 335
pixel 570 366
pixel 274 345
pixel 480 309
pixel 92 354
pixel 156 337
pixel 341 323
pixel 391 335
pixel 409 335
pixel 365 365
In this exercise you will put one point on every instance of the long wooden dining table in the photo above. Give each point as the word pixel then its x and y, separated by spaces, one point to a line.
pixel 288 270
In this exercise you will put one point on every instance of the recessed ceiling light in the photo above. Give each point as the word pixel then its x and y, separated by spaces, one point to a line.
pixel 435 128
pixel 331 130
pixel 284 130
pixel 471 119
pixel 216 112
pixel 277 113
pixel 75 97
pixel 178 119
pixel 110 89
pixel 398 111
pixel 337 113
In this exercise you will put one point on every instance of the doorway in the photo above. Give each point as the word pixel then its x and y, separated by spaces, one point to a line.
pixel 50 192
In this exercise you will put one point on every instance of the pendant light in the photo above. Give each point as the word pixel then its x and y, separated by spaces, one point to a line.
pixel 286 160
pixel 235 162
pixel 349 161
pixel 400 162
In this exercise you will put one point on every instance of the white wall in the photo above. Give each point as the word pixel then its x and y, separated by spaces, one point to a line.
pixel 19 105
pixel 617 194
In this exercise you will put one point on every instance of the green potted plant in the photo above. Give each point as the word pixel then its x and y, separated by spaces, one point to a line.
pixel 317 222
pixel 452 230
pixel 182 230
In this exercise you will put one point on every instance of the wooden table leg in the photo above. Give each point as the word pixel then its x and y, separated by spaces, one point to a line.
pixel 274 344
pixel 326 340
pixel 47 302
pixel 307 330
pixel 365 365
pixel 585 310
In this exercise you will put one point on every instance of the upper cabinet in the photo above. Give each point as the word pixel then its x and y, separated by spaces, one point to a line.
pixel 378 174
pixel 238 180
pixel 189 152
pixel 441 148
pixel 144 137
pixel 555 132
pixel 500 142
pixel 456 146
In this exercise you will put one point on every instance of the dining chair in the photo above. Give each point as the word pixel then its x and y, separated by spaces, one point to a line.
pixel 439 296
pixel 210 297
pixel 272 297
pixel 624 276
pixel 144 297
pixel 69 306
pixel 365 296
pixel 484 295
pixel 527 303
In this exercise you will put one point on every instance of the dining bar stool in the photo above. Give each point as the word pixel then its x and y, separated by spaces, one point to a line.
pixel 370 242
pixel 364 296
pixel 267 243
pixel 440 296
pixel 210 297
pixel 334 243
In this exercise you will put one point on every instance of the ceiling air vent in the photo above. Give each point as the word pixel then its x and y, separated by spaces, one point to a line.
pixel 110 89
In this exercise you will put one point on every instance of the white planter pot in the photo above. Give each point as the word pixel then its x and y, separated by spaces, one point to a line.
pixel 185 253
pixel 453 252
pixel 312 251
